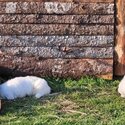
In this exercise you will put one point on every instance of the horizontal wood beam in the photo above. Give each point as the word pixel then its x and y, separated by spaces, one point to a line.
pixel 55 29
pixel 75 68
pixel 56 8
pixel 87 1
pixel 57 41
pixel 60 52
pixel 55 19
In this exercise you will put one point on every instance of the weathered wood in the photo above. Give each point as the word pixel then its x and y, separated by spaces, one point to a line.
pixel 87 1
pixel 120 39
pixel 71 38
pixel 61 41
pixel 56 19
pixel 60 52
pixel 0 104
pixel 55 29
pixel 75 68
pixel 56 8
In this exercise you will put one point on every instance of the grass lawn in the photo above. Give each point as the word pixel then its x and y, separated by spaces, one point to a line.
pixel 87 101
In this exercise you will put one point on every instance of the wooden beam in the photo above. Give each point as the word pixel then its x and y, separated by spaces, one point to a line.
pixel 120 39
pixel 56 8
pixel 87 1
pixel 0 104
pixel 75 68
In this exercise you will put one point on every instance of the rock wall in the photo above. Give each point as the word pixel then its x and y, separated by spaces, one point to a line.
pixel 63 38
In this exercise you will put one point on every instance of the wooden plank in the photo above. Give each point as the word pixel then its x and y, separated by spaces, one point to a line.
pixel 71 38
pixel 56 8
pixel 55 29
pixel 0 104
pixel 87 1
pixel 60 52
pixel 56 19
pixel 120 40
pixel 71 41
pixel 75 68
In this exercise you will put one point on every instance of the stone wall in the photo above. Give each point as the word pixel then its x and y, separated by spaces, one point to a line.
pixel 64 38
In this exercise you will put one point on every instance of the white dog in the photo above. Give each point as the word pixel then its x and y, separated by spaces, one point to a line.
pixel 24 86
pixel 121 87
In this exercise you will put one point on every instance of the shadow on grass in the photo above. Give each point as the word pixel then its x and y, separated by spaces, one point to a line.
pixel 87 86
pixel 25 106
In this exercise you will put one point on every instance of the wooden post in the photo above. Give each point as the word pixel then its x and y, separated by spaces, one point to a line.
pixel 0 104
pixel 120 39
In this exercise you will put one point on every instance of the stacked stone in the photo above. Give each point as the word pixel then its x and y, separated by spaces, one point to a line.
pixel 64 38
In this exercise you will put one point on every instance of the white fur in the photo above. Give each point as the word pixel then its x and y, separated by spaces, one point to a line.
pixel 24 86
pixel 121 87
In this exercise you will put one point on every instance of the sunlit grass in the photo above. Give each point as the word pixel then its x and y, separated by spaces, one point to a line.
pixel 87 101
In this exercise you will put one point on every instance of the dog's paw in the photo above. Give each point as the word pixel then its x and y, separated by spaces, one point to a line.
pixel 38 96
pixel 123 96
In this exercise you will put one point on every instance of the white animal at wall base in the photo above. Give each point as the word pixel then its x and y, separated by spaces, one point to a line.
pixel 121 87
pixel 19 87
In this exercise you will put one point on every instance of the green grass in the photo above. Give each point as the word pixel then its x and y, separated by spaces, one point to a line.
pixel 87 101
